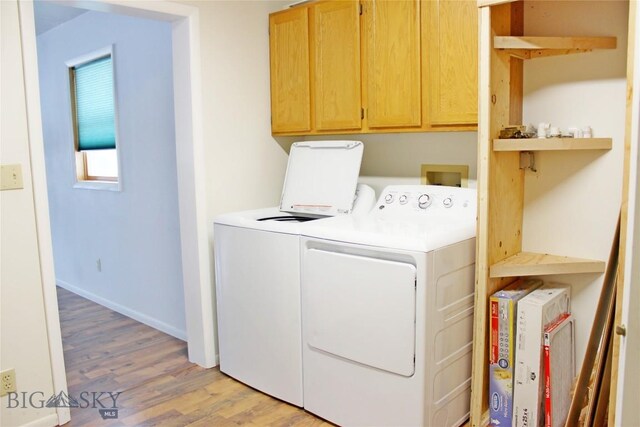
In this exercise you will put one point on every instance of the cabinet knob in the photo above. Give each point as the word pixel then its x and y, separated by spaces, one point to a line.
pixel 621 330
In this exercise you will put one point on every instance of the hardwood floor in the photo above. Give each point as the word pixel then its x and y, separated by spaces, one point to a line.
pixel 107 352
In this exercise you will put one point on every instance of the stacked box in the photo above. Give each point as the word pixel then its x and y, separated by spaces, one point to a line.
pixel 502 333
pixel 535 311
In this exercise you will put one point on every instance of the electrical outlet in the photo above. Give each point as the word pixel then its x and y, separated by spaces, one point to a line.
pixel 8 378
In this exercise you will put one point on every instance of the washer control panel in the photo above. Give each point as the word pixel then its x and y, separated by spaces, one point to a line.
pixel 426 199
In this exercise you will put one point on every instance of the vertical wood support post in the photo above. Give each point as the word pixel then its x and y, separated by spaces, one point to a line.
pixel 500 181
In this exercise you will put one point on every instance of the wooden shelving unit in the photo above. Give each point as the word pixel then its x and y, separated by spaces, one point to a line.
pixel 552 144
pixel 535 264
pixel 501 259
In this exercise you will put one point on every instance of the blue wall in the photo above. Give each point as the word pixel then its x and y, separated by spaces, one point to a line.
pixel 135 231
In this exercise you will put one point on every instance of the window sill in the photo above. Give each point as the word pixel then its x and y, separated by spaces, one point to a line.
pixel 97 185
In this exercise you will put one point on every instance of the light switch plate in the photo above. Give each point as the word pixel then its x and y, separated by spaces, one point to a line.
pixel 11 177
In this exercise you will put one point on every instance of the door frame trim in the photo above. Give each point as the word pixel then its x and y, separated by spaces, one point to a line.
pixel 196 259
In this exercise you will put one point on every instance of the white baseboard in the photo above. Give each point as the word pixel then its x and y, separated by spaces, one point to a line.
pixel 47 421
pixel 136 315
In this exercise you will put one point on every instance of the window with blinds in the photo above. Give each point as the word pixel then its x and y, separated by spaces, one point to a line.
pixel 94 120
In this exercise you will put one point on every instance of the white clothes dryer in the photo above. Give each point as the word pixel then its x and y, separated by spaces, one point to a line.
pixel 257 262
pixel 387 303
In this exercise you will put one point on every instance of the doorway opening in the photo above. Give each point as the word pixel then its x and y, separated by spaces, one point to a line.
pixel 106 86
pixel 192 241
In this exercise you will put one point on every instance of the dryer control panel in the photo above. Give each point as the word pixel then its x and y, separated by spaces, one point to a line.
pixel 426 200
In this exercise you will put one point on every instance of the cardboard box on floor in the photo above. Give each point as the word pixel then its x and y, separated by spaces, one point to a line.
pixel 535 311
pixel 502 338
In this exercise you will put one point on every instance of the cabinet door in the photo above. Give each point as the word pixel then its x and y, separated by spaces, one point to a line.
pixel 289 55
pixel 393 92
pixel 336 64
pixel 450 31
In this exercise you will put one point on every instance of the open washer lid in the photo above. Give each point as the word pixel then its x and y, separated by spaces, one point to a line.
pixel 321 177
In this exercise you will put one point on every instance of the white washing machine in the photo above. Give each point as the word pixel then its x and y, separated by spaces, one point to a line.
pixel 257 262
pixel 387 303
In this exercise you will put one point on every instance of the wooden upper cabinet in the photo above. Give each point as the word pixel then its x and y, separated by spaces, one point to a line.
pixel 289 56
pixel 335 55
pixel 393 84
pixel 372 66
pixel 450 53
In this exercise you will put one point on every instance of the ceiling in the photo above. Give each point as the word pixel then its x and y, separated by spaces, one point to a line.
pixel 49 15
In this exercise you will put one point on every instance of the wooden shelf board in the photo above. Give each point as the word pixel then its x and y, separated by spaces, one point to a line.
pixel 483 3
pixel 541 43
pixel 538 47
pixel 552 144
pixel 536 264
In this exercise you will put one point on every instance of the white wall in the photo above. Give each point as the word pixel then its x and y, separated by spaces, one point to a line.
pixel 572 201
pixel 134 232
pixel 401 155
pixel 245 164
pixel 22 316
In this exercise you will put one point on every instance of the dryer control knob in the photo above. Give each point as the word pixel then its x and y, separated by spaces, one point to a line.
pixel 388 198
pixel 424 201
pixel 403 199
pixel 448 202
